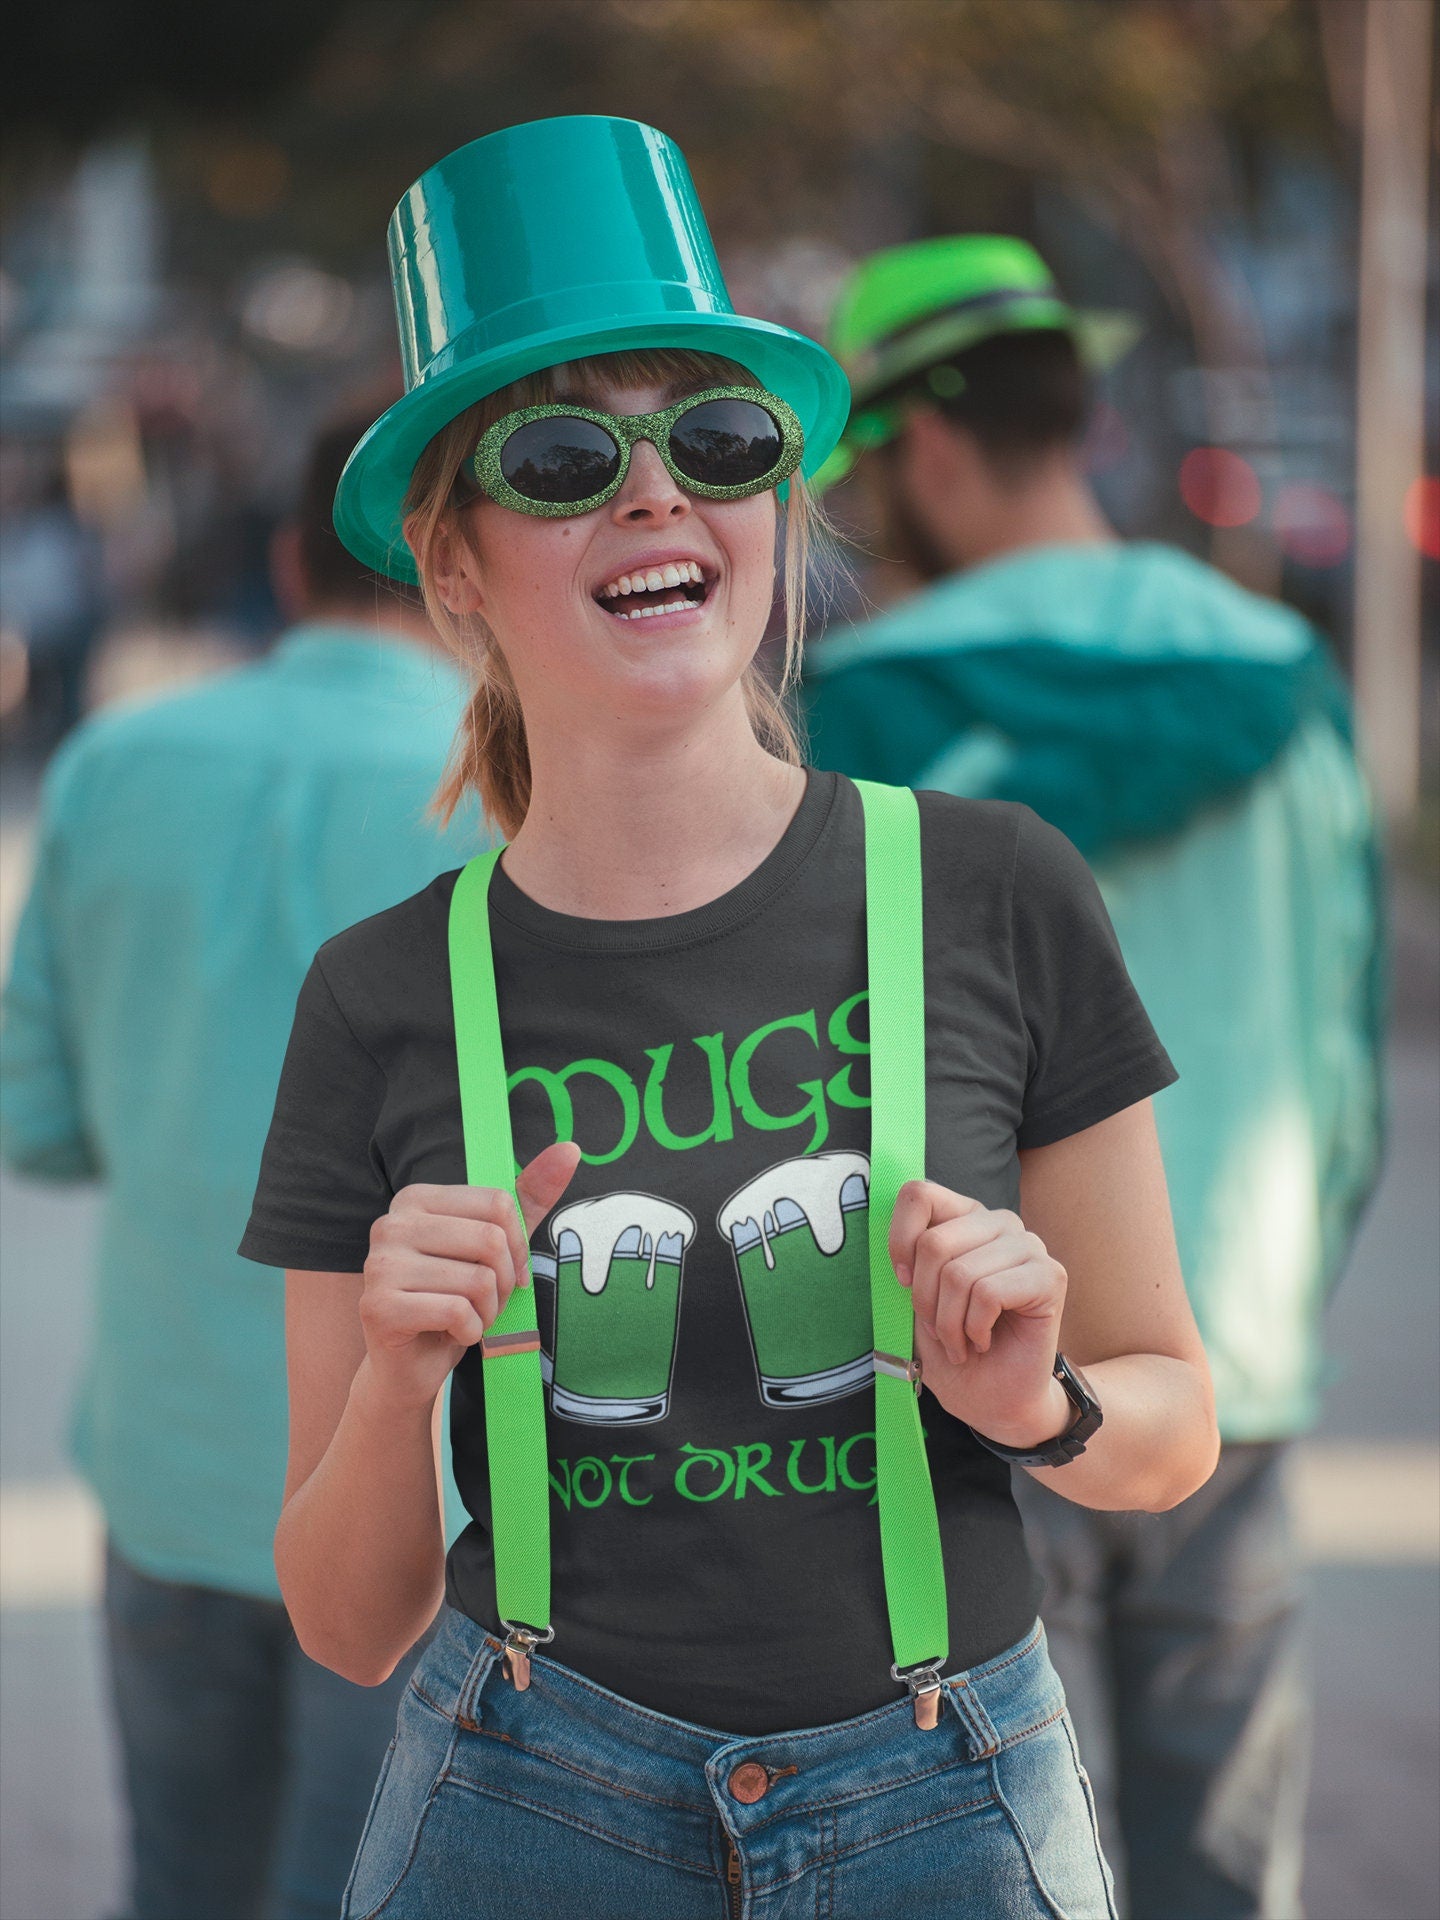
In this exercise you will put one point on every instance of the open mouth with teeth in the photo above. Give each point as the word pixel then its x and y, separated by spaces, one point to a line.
pixel 668 589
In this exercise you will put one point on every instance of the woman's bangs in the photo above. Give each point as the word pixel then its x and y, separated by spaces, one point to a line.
pixel 680 369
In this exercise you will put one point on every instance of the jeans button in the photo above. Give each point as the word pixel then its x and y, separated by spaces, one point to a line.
pixel 749 1782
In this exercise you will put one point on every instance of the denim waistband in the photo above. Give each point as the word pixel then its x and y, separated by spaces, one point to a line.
pixel 998 1702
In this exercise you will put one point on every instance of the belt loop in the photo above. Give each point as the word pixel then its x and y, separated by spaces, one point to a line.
pixel 468 1705
pixel 983 1739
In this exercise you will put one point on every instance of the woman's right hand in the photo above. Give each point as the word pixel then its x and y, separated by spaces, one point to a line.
pixel 443 1261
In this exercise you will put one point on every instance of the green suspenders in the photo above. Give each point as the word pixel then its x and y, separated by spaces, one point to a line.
pixel 514 1394
pixel 895 961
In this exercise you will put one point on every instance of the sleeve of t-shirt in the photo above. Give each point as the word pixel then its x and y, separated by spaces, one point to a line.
pixel 322 1183
pixel 1092 1049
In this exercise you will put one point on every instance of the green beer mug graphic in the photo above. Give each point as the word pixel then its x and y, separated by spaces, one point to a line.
pixel 617 1268
pixel 800 1236
pixel 542 1278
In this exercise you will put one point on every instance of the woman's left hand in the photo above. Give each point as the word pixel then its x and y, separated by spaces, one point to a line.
pixel 988 1300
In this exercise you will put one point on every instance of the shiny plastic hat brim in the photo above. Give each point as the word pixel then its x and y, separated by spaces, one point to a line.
pixel 368 509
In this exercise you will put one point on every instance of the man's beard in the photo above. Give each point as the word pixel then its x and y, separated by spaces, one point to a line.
pixel 903 537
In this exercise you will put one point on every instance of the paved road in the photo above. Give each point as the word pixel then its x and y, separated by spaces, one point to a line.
pixel 1369 1494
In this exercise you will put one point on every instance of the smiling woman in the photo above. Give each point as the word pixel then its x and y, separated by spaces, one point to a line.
pixel 491 755
pixel 662 1165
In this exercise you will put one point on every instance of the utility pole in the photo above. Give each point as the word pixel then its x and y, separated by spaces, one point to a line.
pixel 1390 438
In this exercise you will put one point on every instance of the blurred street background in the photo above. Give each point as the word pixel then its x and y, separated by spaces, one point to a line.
pixel 193 275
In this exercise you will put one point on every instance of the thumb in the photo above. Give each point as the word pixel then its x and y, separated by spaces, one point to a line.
pixel 543 1181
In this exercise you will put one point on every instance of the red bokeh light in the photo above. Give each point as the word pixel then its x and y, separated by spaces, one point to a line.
pixel 1422 514
pixel 1312 524
pixel 1219 487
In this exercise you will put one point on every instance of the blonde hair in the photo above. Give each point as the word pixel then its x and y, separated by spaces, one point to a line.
pixel 490 755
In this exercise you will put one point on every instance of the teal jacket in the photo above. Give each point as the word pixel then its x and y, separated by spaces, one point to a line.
pixel 192 854
pixel 1194 742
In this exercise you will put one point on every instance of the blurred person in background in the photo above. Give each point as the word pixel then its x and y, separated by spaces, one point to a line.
pixel 1194 742
pixel 192 853
pixel 52 594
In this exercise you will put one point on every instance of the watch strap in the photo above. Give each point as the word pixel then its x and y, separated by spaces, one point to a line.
pixel 1068 1445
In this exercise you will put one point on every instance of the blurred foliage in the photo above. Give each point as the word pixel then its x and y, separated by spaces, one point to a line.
pixel 808 101
pixel 293 126
pixel 1112 70
pixel 76 68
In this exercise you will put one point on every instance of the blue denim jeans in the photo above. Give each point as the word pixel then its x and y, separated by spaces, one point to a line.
pixel 567 1802
pixel 247 1767
pixel 1179 1639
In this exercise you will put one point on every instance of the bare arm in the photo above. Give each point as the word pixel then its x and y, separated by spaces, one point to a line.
pixel 360 1545
pixel 1091 1268
pixel 1099 1202
pixel 359 1548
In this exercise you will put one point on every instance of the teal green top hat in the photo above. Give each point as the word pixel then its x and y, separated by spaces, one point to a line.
pixel 544 243
pixel 905 310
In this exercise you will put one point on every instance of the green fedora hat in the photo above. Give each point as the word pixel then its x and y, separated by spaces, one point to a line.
pixel 543 243
pixel 905 311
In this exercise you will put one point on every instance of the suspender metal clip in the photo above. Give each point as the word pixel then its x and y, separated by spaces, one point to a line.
pixel 518 1644
pixel 924 1684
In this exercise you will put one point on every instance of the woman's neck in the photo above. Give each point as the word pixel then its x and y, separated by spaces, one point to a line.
pixel 620 832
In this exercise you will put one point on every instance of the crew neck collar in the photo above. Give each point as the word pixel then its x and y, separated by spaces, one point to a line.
pixel 672 931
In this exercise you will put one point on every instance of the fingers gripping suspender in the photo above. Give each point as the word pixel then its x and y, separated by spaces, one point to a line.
pixel 514 1393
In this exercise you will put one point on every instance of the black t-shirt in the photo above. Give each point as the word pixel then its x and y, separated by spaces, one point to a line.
pixel 701 1285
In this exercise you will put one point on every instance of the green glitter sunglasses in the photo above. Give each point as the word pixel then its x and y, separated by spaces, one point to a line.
pixel 723 444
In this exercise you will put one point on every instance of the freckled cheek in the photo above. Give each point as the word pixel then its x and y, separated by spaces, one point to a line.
pixel 747 533
pixel 535 581
pixel 751 585
pixel 527 563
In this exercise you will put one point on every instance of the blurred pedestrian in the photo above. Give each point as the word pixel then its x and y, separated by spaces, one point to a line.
pixel 52 597
pixel 1194 742
pixel 735 1683
pixel 192 852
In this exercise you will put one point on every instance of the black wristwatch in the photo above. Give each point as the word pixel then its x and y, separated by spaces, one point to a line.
pixel 1067 1445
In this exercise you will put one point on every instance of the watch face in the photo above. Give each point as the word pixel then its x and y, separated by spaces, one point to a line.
pixel 1080 1381
pixel 1088 1416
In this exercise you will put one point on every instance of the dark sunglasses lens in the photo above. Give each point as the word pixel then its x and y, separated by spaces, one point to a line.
pixel 560 460
pixel 725 443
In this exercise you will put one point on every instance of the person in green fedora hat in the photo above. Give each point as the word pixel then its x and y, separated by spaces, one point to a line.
pixel 1194 741
pixel 901 319
pixel 610 1264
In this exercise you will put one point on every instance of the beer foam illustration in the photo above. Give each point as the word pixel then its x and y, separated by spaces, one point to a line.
pixel 662 1230
pixel 813 1182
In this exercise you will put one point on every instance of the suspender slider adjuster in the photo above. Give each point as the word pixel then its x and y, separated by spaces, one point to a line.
pixel 897 1368
pixel 492 1344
